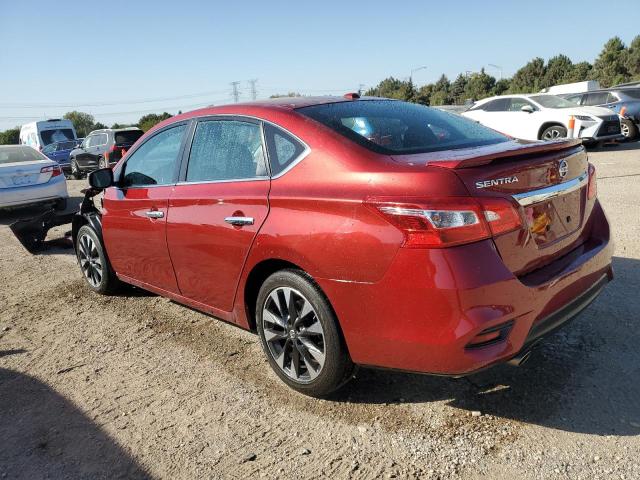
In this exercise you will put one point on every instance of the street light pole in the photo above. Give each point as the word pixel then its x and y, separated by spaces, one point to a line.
pixel 497 67
pixel 415 70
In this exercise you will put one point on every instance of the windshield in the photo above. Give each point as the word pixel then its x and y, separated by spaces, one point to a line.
pixel 67 145
pixel 56 135
pixel 393 127
pixel 632 92
pixel 19 153
pixel 552 101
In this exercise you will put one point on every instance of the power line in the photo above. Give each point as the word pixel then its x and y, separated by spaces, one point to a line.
pixel 235 93
pixel 254 92
pixel 107 103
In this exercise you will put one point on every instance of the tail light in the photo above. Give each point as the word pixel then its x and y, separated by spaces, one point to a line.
pixel 55 170
pixel 108 153
pixel 592 187
pixel 445 222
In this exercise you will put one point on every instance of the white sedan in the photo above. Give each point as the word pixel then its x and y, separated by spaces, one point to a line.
pixel 545 117
pixel 27 177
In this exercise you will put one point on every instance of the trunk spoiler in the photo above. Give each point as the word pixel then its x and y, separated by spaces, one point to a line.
pixel 473 157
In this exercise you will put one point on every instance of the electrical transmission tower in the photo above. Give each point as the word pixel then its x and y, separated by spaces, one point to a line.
pixel 254 92
pixel 235 93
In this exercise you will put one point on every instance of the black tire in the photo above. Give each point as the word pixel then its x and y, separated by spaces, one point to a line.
pixel 553 132
pixel 300 334
pixel 75 170
pixel 89 252
pixel 102 163
pixel 629 129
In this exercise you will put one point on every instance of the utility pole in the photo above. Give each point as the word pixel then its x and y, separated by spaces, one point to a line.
pixel 235 93
pixel 415 70
pixel 254 92
pixel 497 67
pixel 361 88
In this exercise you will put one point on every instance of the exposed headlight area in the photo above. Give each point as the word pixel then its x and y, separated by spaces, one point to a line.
pixel 584 118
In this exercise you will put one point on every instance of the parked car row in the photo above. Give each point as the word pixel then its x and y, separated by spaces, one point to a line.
pixel 545 117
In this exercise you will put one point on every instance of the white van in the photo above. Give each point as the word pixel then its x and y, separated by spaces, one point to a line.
pixel 40 134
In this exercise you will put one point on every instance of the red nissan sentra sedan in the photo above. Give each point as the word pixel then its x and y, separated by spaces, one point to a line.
pixel 351 231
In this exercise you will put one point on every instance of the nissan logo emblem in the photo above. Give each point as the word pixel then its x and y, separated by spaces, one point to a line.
pixel 563 168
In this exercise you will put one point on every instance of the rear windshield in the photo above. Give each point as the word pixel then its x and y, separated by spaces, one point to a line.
pixel 56 135
pixel 632 92
pixel 128 137
pixel 392 127
pixel 19 153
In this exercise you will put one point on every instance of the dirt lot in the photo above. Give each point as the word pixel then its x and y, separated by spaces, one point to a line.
pixel 138 387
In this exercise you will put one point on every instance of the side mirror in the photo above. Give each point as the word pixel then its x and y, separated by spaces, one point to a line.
pixel 101 178
pixel 527 108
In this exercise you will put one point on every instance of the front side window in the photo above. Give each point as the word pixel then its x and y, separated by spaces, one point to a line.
pixel 90 141
pixel 154 163
pixel 516 104
pixel 596 99
pixel 226 150
pixel 394 128
pixel 552 101
pixel 283 148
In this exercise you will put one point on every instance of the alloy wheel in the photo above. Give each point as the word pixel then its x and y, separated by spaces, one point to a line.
pixel 90 262
pixel 293 334
pixel 625 130
pixel 552 134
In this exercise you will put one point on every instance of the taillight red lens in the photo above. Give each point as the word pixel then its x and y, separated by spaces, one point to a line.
pixel 55 170
pixel 592 188
pixel 446 222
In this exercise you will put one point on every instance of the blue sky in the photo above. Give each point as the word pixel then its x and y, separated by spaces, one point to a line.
pixel 55 56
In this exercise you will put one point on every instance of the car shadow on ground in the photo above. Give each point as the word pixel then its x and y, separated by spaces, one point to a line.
pixel 581 379
pixel 616 147
pixel 8 216
pixel 46 436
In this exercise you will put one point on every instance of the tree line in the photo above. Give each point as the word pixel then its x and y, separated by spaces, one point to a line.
pixel 617 63
pixel 84 123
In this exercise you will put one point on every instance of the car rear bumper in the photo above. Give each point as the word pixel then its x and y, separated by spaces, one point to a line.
pixel 428 311
pixel 54 189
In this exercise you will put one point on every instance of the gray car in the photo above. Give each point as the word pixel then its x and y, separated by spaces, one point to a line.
pixel 625 101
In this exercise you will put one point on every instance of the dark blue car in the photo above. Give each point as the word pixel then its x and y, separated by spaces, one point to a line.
pixel 59 151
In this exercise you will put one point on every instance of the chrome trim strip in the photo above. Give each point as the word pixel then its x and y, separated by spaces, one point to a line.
pixel 542 194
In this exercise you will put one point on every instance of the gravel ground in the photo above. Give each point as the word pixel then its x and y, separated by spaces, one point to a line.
pixel 138 387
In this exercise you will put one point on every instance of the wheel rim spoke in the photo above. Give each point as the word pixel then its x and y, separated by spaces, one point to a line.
pixel 293 334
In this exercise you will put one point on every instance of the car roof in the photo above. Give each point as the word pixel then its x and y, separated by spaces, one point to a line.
pixel 107 130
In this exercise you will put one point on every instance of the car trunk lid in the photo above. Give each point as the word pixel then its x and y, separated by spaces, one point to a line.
pixel 24 174
pixel 546 181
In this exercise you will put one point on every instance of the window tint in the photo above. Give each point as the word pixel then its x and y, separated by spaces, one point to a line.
pixel 596 98
pixel 574 99
pixel 283 148
pixel 127 136
pixel 498 105
pixel 49 148
pixel 19 153
pixel 632 92
pixel 392 127
pixel 516 104
pixel 90 141
pixel 154 163
pixel 226 150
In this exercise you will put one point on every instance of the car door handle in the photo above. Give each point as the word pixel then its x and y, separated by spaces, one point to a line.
pixel 154 214
pixel 239 221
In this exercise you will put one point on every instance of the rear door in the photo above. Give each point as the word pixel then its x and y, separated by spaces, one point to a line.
pixel 217 208
pixel 135 212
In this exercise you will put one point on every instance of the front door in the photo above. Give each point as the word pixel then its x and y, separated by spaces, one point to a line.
pixel 217 210
pixel 135 211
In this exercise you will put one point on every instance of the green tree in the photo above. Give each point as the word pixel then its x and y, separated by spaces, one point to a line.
pixel 580 72
pixel 440 95
pixel 147 122
pixel 633 59
pixel 10 137
pixel 610 66
pixel 530 78
pixel 557 69
pixel 98 126
pixel 457 89
pixel 393 88
pixel 479 85
pixel 83 122
pixel 423 94
pixel 501 86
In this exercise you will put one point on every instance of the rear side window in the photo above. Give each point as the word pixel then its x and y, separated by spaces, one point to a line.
pixel 632 92
pixel 283 148
pixel 57 135
pixel 226 150
pixel 154 163
pixel 393 128
pixel 129 136
pixel 498 105
pixel 596 98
